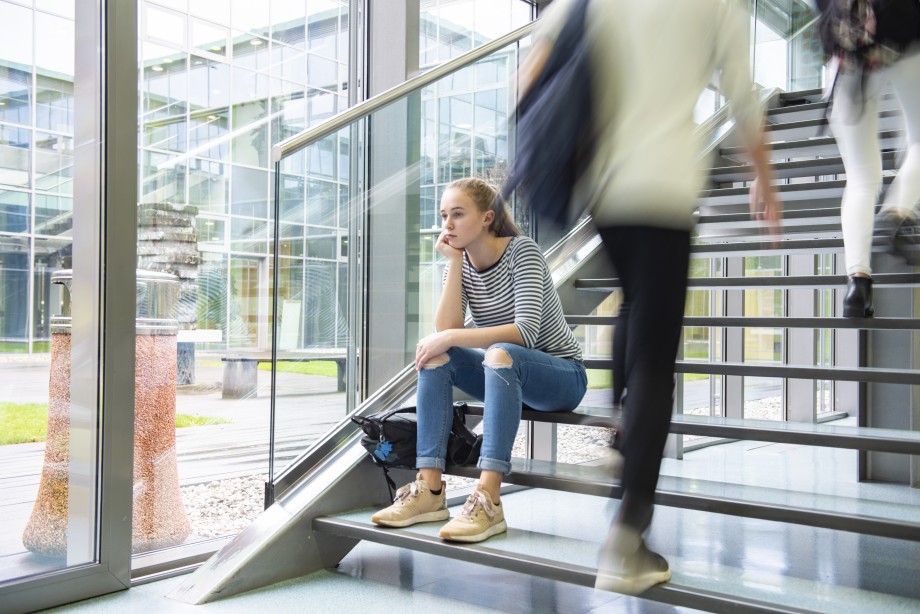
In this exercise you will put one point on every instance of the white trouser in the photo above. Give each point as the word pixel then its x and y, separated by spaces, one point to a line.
pixel 854 120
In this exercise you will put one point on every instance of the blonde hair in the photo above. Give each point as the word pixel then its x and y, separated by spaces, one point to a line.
pixel 487 197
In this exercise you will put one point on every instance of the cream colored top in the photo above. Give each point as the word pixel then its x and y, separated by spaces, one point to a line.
pixel 652 59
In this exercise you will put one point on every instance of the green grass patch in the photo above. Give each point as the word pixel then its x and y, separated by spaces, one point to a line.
pixel 184 420
pixel 599 379
pixel 23 423
pixel 28 422
pixel 326 368
pixel 314 367
pixel 21 347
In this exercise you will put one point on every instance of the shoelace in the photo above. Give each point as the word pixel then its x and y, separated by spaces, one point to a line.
pixel 409 490
pixel 478 498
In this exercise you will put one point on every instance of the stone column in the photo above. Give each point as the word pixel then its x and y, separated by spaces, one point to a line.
pixel 167 241
pixel 159 517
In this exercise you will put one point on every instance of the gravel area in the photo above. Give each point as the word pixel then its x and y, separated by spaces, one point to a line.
pixel 225 507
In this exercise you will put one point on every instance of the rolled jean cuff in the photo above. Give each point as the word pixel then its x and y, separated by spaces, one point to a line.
pixel 491 464
pixel 429 462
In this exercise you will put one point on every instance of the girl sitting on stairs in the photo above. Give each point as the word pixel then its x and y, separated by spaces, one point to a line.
pixel 520 349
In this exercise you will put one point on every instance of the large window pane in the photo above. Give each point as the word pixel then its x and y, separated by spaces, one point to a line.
pixel 222 80
pixel 47 454
pixel 14 211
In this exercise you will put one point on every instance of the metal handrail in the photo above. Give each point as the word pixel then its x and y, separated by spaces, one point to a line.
pixel 334 124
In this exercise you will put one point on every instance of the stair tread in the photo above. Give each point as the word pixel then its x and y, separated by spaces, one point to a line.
pixel 772 322
pixel 744 500
pixel 749 427
pixel 827 165
pixel 888 139
pixel 529 548
pixel 764 369
pixel 798 433
pixel 817 281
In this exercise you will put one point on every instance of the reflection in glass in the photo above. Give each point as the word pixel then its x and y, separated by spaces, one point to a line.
pixel 14 211
pixel 43 507
pixel 15 146
pixel 787 49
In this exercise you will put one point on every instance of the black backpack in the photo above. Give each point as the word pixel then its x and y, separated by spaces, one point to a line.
pixel 390 436
pixel 555 126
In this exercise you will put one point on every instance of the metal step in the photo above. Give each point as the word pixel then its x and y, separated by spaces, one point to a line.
pixel 826 435
pixel 801 97
pixel 793 217
pixel 827 226
pixel 749 246
pixel 789 193
pixel 751 369
pixel 881 518
pixel 831 165
pixel 818 146
pixel 813 107
pixel 535 553
pixel 796 112
pixel 741 283
pixel 828 243
pixel 889 120
pixel 761 322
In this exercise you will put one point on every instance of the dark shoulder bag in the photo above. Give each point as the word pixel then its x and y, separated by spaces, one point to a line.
pixel 390 437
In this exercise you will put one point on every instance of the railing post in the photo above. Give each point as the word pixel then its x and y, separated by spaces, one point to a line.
pixel 392 262
pixel 800 343
pixel 891 406
pixel 733 397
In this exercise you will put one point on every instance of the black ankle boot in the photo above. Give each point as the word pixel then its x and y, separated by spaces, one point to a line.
pixel 858 301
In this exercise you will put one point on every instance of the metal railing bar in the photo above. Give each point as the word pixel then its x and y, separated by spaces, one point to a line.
pixel 814 281
pixel 839 374
pixel 762 322
pixel 823 435
pixel 343 119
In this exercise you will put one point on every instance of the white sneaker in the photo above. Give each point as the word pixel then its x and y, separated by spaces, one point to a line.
pixel 479 520
pixel 414 503
pixel 627 566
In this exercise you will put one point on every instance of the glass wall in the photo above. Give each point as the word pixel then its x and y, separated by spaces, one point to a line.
pixel 786 49
pixel 37 57
pixel 64 271
pixel 221 83
pixel 464 127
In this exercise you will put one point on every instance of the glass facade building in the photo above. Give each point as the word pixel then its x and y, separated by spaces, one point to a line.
pixel 219 83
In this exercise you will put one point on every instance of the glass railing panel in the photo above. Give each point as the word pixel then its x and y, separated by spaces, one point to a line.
pixel 453 127
pixel 450 28
pixel 314 336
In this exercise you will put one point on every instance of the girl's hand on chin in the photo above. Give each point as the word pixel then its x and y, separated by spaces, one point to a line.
pixel 446 249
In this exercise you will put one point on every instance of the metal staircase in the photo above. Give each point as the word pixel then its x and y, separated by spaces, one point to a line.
pixel 814 211
pixel 323 501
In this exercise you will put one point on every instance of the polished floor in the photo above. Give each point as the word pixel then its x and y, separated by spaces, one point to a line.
pixel 813 568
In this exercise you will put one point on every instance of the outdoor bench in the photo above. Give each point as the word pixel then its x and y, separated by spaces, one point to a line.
pixel 241 370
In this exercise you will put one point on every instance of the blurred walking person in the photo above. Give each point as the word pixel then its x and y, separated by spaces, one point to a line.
pixel 651 61
pixel 856 81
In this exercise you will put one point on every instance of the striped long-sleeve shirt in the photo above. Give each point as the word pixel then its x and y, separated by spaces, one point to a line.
pixel 518 289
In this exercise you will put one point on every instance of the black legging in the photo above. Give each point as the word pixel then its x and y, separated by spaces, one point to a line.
pixel 652 264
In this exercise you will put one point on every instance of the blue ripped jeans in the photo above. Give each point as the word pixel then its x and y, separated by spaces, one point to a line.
pixel 542 381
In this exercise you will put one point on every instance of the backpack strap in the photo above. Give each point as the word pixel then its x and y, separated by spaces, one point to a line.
pixel 391 485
